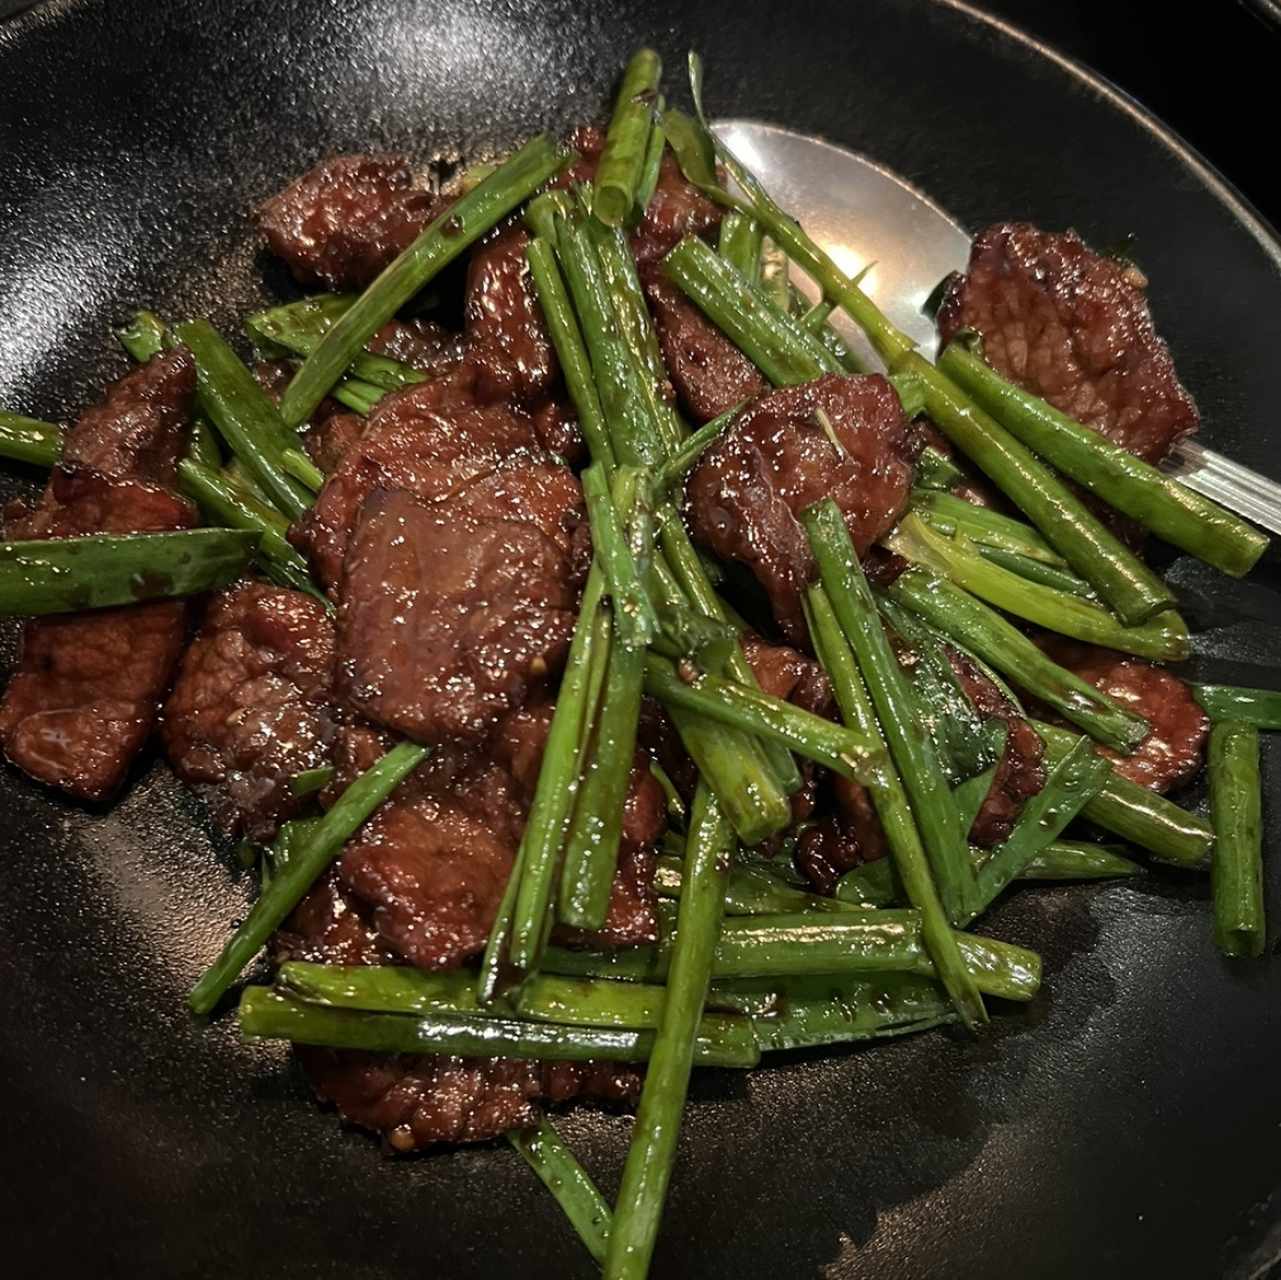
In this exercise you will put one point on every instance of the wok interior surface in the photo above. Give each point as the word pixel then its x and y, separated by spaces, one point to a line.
pixel 1124 1123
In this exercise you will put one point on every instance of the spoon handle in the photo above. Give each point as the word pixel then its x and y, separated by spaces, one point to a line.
pixel 1229 483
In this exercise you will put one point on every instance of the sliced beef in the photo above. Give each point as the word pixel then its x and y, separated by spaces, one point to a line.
pixel 77 502
pixel 1020 773
pixel 140 428
pixel 745 496
pixel 559 433
pixel 710 374
pixel 676 210
pixel 421 344
pixel 451 612
pixel 274 377
pixel 341 223
pixel 84 699
pixel 431 440
pixel 88 686
pixel 251 704
pixel 331 926
pixel 841 840
pixel 1074 327
pixel 1173 752
pixel 328 441
pixel 430 866
pixel 508 343
pixel 852 834
pixel 417 1100
pixel 784 672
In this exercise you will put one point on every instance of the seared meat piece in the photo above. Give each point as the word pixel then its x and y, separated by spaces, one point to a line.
pixel 84 698
pixel 140 428
pixel 785 673
pixel 274 377
pixel 431 864
pixel 341 223
pixel 421 344
pixel 331 430
pixel 328 440
pixel 84 502
pixel 677 209
pixel 1019 773
pixel 330 926
pixel 507 338
pixel 1073 327
pixel 430 867
pixel 709 372
pixel 251 704
pixel 746 493
pixel 451 612
pixel 840 841
pixel 1174 750
pixel 415 1101
pixel 432 440
pixel 558 432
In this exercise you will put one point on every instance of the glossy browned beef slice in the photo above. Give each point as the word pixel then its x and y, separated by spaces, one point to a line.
pixel 451 612
pixel 784 672
pixel 1074 327
pixel 250 707
pixel 431 440
pixel 345 220
pixel 853 834
pixel 77 502
pixel 140 428
pixel 432 863
pixel 558 432
pixel 676 210
pixel 274 377
pixel 1020 773
pixel 507 337
pixel 429 869
pixel 709 372
pixel 422 344
pixel 1175 749
pixel 328 440
pixel 417 1100
pixel 840 840
pixel 331 926
pixel 84 698
pixel 745 496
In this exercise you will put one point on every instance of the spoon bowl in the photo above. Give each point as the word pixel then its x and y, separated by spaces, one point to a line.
pixel 860 212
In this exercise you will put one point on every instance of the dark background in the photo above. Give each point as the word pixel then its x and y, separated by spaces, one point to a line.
pixel 1208 68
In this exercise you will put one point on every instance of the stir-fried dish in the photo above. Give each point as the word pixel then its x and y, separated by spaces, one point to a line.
pixel 607 675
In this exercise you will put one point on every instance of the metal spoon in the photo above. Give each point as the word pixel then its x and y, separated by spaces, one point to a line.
pixel 860 212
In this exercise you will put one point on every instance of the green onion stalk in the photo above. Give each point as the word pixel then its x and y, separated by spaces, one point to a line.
pixel 891 803
pixel 1237 864
pixel 1163 638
